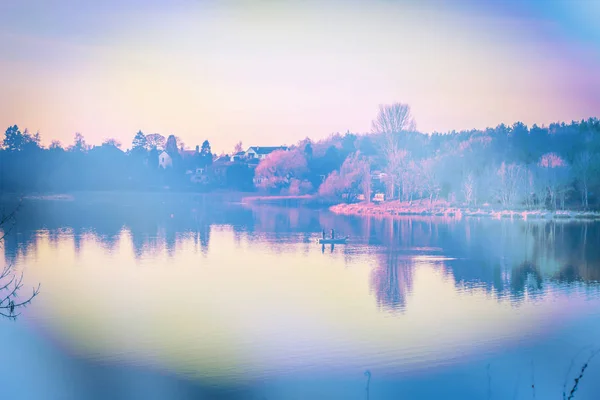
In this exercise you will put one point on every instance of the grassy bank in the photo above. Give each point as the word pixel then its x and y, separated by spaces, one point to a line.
pixel 442 208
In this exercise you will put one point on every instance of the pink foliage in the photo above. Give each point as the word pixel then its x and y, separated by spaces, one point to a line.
pixel 279 167
pixel 333 185
pixel 551 160
pixel 481 140
pixel 353 171
pixel 298 187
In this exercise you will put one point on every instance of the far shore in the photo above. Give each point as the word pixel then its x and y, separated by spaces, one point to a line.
pixel 289 200
pixel 445 209
pixel 118 195
pixel 389 208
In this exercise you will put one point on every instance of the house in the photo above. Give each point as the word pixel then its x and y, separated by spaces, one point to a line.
pixel 221 160
pixel 262 152
pixel 197 175
pixel 378 176
pixel 188 153
pixel 219 167
pixel 239 156
pixel 378 181
pixel 165 160
pixel 379 197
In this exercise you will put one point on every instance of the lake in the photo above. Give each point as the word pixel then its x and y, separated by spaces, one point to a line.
pixel 176 297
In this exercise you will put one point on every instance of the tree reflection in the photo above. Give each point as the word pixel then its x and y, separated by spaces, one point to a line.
pixel 509 259
pixel 503 257
pixel 526 277
pixel 392 282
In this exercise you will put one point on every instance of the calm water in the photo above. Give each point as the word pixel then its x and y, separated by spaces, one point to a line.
pixel 186 299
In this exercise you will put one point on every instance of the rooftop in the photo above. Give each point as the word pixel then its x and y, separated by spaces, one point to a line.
pixel 266 149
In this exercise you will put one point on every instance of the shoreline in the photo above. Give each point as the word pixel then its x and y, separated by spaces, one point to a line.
pixel 306 200
pixel 121 195
pixel 418 208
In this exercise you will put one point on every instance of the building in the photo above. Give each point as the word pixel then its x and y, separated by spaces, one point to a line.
pixel 222 160
pixel 165 160
pixel 262 152
pixel 185 153
pixel 197 175
pixel 239 156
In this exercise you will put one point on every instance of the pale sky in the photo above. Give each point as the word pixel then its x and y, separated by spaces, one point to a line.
pixel 270 73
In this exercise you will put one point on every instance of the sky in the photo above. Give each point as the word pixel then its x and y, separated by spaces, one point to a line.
pixel 270 73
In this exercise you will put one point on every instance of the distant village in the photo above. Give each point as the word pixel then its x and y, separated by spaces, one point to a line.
pixel 251 158
pixel 272 169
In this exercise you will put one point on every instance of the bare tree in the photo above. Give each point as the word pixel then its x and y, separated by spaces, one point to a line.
pixel 238 147
pixel 155 140
pixel 554 174
pixel 586 168
pixel 395 159
pixel 511 179
pixel 10 284
pixel 430 179
pixel 366 181
pixel 469 189
pixel 393 118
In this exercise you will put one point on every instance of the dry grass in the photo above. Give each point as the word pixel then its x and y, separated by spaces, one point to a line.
pixel 443 208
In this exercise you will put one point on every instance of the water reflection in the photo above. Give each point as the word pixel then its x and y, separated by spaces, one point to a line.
pixel 505 258
pixel 227 293
pixel 392 282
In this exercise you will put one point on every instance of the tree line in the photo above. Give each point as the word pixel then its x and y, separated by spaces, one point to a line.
pixel 27 166
pixel 554 167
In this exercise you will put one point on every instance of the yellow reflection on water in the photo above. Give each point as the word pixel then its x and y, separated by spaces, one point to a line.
pixel 245 307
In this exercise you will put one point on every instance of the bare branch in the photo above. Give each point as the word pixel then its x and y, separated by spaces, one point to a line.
pixel 571 365
pixel 13 283
pixel 581 373
pixel 9 219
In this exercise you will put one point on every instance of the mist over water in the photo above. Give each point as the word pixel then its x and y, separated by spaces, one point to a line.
pixel 192 297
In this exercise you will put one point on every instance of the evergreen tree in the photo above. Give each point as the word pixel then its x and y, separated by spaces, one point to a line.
pixel 14 140
pixel 171 146
pixel 206 154
pixel 139 142
pixel 79 145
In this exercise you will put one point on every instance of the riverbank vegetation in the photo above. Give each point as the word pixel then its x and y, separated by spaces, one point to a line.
pixel 513 167
pixel 509 167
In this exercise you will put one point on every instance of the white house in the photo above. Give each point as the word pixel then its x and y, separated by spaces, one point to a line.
pixel 165 160
pixel 262 152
